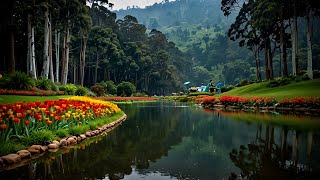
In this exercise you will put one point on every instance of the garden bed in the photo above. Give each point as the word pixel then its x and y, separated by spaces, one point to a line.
pixel 263 104
pixel 36 124
pixel 22 157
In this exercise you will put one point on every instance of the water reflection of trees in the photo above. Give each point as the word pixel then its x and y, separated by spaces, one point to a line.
pixel 265 158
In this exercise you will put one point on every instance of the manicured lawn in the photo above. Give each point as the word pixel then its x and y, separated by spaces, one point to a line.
pixel 310 88
pixel 4 99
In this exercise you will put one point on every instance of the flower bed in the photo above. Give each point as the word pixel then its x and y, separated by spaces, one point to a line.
pixel 121 99
pixel 37 92
pixel 20 119
pixel 261 103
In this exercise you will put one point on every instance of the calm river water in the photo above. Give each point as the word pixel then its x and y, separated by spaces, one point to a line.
pixel 169 140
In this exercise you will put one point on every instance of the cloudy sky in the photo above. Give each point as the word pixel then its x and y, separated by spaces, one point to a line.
pixel 123 4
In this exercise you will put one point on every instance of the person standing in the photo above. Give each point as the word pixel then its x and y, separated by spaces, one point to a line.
pixel 211 87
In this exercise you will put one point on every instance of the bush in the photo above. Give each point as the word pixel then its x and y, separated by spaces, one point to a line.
pixel 229 88
pixel 199 93
pixel 111 87
pixel 61 133
pixel 279 82
pixel 90 93
pixel 125 89
pixel 98 89
pixel 244 82
pixel 17 81
pixel 139 94
pixel 54 87
pixel 43 137
pixel 77 130
pixel 81 91
pixel 70 89
pixel 43 83
pixel 316 74
pixel 10 147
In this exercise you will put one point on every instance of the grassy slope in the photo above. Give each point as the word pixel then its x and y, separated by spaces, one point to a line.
pixel 4 99
pixel 310 88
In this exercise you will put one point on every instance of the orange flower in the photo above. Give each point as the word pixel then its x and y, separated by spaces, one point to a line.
pixel 3 127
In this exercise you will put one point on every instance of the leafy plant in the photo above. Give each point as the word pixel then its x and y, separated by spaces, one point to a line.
pixel 125 89
pixel 111 87
pixel 43 83
pixel 81 91
pixel 40 137
pixel 98 89
pixel 70 89
pixel 10 146
pixel 61 133
pixel 18 81
pixel 77 130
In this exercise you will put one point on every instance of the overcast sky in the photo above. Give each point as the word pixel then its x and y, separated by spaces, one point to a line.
pixel 123 4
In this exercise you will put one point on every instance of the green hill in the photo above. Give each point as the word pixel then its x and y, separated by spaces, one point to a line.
pixel 310 88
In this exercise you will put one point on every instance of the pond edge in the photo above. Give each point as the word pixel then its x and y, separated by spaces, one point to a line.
pixel 22 157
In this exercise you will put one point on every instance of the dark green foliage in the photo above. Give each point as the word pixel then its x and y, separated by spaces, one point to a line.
pixel 70 89
pixel 316 74
pixel 9 147
pixel 279 82
pixel 98 89
pixel 81 91
pixel 90 93
pixel 227 88
pixel 18 81
pixel 125 89
pixel 43 83
pixel 111 87
pixel 139 94
pixel 42 137
pixel 54 86
pixel 199 93
pixel 244 82
pixel 61 133
pixel 77 130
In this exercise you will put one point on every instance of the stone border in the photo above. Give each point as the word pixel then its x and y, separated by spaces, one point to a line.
pixel 22 157
pixel 296 110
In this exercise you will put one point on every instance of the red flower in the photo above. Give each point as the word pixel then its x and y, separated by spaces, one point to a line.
pixel 26 122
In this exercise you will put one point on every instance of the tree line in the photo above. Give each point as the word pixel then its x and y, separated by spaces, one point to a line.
pixel 83 42
pixel 268 25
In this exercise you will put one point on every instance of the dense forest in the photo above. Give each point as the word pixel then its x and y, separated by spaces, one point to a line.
pixel 160 47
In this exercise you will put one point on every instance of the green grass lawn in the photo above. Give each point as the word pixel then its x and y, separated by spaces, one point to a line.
pixel 4 99
pixel 310 88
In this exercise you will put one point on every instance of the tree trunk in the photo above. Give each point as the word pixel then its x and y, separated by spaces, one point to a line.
pixel 11 60
pixel 266 59
pixel 45 67
pixel 83 58
pixel 270 59
pixel 293 49
pixel 282 46
pixel 65 55
pixel 57 48
pixel 50 53
pixel 309 30
pixel 96 69
pixel 31 50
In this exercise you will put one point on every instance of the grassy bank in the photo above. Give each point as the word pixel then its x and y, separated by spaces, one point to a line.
pixel 310 88
pixel 4 99
pixel 44 137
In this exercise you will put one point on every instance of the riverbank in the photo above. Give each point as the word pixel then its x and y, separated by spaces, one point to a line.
pixel 22 157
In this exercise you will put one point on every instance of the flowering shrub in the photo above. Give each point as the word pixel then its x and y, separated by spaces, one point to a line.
pixel 20 119
pixel 30 92
pixel 300 102
pixel 264 101
pixel 205 99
